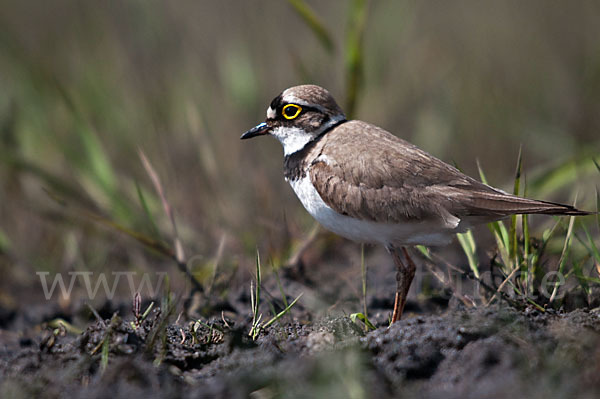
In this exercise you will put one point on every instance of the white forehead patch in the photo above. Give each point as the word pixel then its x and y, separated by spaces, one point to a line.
pixel 270 113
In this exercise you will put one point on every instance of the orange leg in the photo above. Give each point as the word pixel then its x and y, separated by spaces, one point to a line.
pixel 404 277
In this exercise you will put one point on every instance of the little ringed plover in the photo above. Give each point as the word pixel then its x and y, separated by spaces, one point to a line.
pixel 368 185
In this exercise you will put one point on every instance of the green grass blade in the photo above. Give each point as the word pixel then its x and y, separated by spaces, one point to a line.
pixel 425 251
pixel 143 239
pixel 598 210
pixel 498 230
pixel 283 312
pixel 255 301
pixel 468 245
pixel 501 236
pixel 564 174
pixel 527 260
pixel 354 62
pixel 538 252
pixel 314 23
pixel 364 319
pixel 99 166
pixel 104 355
pixel 536 305
pixel 525 228
pixel 258 283
pixel 160 191
pixel 146 208
pixel 513 218
pixel 61 185
pixel 62 323
pixel 590 279
pixel 481 174
pixel 563 256
pixel 592 248
pixel 578 270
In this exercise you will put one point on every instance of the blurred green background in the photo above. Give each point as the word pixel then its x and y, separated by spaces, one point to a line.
pixel 84 85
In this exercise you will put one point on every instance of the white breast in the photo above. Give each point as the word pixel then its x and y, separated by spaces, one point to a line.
pixel 363 230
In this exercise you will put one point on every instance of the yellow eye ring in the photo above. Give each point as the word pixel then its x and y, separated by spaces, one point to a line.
pixel 291 107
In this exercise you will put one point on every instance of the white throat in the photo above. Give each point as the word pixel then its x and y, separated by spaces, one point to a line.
pixel 294 139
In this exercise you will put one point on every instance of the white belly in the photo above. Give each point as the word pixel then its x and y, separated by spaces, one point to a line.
pixel 363 230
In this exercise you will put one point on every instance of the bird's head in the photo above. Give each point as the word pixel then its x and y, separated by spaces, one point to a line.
pixel 299 115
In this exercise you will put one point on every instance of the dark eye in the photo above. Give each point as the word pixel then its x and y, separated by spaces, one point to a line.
pixel 291 111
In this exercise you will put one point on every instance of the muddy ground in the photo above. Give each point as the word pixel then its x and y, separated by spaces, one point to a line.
pixel 441 349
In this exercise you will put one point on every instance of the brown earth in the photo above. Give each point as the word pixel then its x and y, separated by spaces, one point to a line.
pixel 440 350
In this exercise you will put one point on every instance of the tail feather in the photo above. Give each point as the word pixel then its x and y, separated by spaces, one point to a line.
pixel 501 204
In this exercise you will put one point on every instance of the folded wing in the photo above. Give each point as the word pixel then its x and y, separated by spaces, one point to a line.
pixel 382 178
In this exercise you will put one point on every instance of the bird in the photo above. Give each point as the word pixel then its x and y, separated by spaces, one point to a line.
pixel 370 186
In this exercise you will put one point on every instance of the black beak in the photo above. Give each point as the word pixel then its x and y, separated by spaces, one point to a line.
pixel 258 130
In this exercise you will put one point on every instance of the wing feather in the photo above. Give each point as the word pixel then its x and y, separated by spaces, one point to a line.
pixel 367 173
